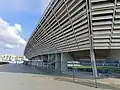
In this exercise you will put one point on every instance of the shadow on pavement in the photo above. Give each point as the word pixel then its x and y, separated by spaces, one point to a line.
pixel 20 68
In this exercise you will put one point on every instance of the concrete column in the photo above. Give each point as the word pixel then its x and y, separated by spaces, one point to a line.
pixel 37 63
pixel 49 56
pixel 28 62
pixel 49 64
pixel 58 63
pixel 64 58
pixel 37 60
pixel 39 57
pixel 44 58
pixel 32 63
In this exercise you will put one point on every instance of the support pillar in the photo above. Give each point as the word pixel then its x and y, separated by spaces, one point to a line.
pixel 37 63
pixel 32 63
pixel 58 63
pixel 45 59
pixel 48 63
pixel 93 62
pixel 64 58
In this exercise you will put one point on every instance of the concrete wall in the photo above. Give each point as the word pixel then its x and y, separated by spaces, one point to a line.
pixel 58 63
pixel 64 58
pixel 114 54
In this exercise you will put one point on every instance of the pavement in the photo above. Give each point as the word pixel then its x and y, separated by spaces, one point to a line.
pixel 20 77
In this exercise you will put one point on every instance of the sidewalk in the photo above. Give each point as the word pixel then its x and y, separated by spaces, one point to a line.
pixel 20 77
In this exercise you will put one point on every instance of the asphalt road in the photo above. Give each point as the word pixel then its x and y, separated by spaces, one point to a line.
pixel 20 77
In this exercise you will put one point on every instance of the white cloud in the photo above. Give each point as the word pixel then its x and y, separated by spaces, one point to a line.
pixel 10 46
pixel 10 35
pixel 18 26
pixel 10 39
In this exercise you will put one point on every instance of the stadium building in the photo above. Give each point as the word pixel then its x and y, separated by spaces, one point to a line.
pixel 76 30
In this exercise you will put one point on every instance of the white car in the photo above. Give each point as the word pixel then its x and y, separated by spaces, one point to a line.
pixel 13 61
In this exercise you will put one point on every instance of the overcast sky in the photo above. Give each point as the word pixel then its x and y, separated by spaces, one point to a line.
pixel 18 19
